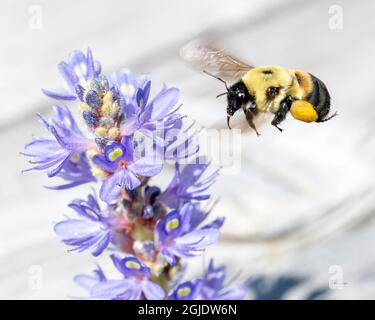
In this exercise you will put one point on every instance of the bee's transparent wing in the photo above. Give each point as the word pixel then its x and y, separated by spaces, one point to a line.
pixel 204 57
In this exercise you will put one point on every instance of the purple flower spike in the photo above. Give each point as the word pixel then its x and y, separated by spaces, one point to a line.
pixel 118 159
pixel 132 133
pixel 92 231
pixel 53 155
pixel 135 284
pixel 77 70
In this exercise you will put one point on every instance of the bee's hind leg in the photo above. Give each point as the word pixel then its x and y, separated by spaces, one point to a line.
pixel 250 113
pixel 329 118
pixel 280 115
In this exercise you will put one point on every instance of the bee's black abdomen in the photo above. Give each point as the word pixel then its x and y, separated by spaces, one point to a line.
pixel 319 98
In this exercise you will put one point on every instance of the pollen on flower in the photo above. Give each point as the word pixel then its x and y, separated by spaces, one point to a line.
pixel 107 99
pixel 113 133
pixel 105 109
pixel 101 131
pixel 84 107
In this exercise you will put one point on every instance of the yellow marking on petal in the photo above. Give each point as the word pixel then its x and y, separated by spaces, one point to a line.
pixel 173 224
pixel 183 292
pixel 101 131
pixel 113 132
pixel 108 97
pixel 132 265
pixel 115 154
pixel 303 111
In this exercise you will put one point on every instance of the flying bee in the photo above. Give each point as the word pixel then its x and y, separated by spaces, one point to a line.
pixel 262 89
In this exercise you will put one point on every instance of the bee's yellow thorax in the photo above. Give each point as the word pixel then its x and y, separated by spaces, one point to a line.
pixel 257 81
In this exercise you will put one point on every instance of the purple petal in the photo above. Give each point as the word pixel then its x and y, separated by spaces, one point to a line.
pixel 147 166
pixel 129 126
pixel 216 224
pixel 76 228
pixel 59 96
pixel 154 137
pixel 57 169
pixel 68 74
pixel 112 186
pixel 131 180
pixel 90 65
pixel 100 161
pixel 102 244
pixel 152 291
pixel 194 242
pixel 41 146
pixel 85 281
pixel 112 289
pixel 164 103
pixel 128 143
pixel 169 257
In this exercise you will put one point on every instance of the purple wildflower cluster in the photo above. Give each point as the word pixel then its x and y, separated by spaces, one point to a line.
pixel 130 137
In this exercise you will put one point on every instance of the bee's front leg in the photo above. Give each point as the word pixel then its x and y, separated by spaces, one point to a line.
pixel 280 115
pixel 250 113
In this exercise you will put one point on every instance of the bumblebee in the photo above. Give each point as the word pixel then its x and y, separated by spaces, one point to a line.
pixel 263 89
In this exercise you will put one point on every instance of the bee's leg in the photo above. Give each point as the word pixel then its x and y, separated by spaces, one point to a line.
pixel 250 113
pixel 280 115
pixel 329 118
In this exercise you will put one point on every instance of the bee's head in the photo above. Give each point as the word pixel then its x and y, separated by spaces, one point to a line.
pixel 237 96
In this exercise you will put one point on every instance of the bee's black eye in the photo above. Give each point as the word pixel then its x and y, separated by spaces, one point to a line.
pixel 272 92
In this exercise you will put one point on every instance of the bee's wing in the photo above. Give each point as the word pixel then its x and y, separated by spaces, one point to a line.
pixel 204 57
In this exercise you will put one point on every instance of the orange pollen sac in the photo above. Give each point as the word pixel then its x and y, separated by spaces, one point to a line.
pixel 122 164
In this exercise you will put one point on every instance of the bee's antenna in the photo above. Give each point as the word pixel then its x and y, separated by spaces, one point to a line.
pixel 216 77
pixel 221 94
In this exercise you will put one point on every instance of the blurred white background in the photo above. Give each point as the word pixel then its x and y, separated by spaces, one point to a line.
pixel 300 213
